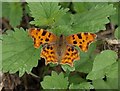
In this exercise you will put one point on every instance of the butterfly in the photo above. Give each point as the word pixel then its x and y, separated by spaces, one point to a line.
pixel 62 49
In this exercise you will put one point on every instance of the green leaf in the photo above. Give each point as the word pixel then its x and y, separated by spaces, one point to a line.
pixel 117 35
pixel 64 20
pixel 86 60
pixel 46 13
pixel 55 81
pixel 83 65
pixel 112 70
pixel 18 52
pixel 13 12
pixel 67 67
pixel 83 85
pixel 114 18
pixel 75 78
pixel 95 75
pixel 62 29
pixel 109 84
pixel 5 9
pixel 104 59
pixel 101 64
pixel 94 19
pixel 80 7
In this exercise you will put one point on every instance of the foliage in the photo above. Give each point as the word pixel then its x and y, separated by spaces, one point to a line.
pixel 99 70
pixel 18 52
pixel 12 12
pixel 94 19
pixel 45 13
pixel 117 35
pixel 55 81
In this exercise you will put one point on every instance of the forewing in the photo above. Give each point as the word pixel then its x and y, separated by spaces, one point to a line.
pixel 82 40
pixel 41 36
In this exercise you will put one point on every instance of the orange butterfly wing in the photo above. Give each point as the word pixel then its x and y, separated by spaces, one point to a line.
pixel 64 54
pixel 41 36
pixel 48 40
pixel 71 54
pixel 49 54
pixel 82 40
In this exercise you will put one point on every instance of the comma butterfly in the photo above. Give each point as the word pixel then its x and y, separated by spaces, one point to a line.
pixel 60 50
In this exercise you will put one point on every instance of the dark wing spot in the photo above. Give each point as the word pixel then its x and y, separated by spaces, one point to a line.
pixel 52 52
pixel 39 37
pixel 74 42
pixel 48 47
pixel 83 40
pixel 49 56
pixel 72 49
pixel 46 39
pixel 93 35
pixel 33 36
pixel 51 60
pixel 53 57
pixel 51 48
pixel 36 33
pixel 86 47
pixel 80 42
pixel 67 53
pixel 86 38
pixel 72 54
pixel 80 46
pixel 75 53
pixel 40 42
pixel 65 58
pixel 88 43
pixel 69 49
pixel 44 50
pixel 73 37
pixel 79 36
pixel 86 33
pixel 49 35
pixel 47 52
pixel 44 32
pixel 69 58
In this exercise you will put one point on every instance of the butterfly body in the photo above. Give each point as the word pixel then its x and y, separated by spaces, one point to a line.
pixel 60 50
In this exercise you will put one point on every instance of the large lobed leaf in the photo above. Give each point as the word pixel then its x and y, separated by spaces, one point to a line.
pixel 55 81
pixel 105 64
pixel 94 19
pixel 45 13
pixel 13 12
pixel 102 61
pixel 18 52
